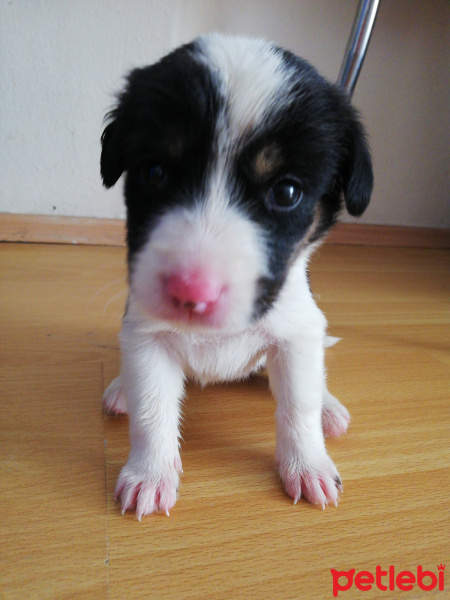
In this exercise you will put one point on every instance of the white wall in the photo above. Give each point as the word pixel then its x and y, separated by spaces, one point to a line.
pixel 62 60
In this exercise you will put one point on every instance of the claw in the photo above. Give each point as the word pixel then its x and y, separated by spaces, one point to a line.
pixel 318 486
pixel 339 485
pixel 146 495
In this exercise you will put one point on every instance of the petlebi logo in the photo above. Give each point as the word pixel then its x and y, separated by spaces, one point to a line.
pixel 388 580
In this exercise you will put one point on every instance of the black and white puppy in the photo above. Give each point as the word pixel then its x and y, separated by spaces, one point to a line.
pixel 238 156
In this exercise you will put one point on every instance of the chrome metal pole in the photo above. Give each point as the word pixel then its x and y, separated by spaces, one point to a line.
pixel 357 44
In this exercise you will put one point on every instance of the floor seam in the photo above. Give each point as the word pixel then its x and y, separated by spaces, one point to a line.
pixel 105 444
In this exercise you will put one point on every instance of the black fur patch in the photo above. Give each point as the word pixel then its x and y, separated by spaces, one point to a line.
pixel 165 116
pixel 165 123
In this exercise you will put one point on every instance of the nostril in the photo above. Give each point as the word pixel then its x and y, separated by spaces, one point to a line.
pixel 193 291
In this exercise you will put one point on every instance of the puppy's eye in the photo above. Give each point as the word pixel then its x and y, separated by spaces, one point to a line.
pixel 285 194
pixel 154 174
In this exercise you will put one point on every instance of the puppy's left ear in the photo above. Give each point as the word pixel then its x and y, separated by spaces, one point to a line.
pixel 111 162
pixel 357 173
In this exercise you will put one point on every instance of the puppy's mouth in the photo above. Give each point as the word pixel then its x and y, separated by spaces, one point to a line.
pixel 195 314
pixel 193 310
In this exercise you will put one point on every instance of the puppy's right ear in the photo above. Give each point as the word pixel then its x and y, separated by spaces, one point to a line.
pixel 357 175
pixel 111 162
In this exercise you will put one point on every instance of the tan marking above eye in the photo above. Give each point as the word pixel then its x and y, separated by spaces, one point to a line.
pixel 267 161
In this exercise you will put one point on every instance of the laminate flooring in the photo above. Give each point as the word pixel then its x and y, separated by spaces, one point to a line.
pixel 233 533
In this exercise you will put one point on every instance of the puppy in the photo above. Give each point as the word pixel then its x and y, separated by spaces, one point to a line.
pixel 238 157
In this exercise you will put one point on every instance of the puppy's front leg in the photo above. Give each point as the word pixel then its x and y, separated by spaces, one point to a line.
pixel 297 379
pixel 153 383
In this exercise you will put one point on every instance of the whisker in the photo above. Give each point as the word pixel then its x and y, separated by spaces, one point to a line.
pixel 107 286
pixel 115 297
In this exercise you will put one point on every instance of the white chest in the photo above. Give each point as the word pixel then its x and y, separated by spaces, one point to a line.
pixel 212 359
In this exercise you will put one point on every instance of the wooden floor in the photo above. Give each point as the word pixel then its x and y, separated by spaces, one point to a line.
pixel 233 533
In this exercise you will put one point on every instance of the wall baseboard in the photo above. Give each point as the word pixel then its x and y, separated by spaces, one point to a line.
pixel 360 234
pixel 61 230
pixel 111 232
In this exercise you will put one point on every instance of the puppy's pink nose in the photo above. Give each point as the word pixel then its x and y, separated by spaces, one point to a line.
pixel 193 291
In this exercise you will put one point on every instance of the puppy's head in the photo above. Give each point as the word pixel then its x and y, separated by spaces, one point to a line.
pixel 237 156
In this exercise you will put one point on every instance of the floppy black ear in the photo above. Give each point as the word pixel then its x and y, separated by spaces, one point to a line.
pixel 111 162
pixel 357 173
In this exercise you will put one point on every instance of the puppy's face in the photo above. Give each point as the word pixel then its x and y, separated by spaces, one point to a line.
pixel 237 155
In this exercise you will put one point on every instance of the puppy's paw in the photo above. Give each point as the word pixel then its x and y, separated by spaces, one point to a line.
pixel 114 401
pixel 319 483
pixel 335 417
pixel 148 492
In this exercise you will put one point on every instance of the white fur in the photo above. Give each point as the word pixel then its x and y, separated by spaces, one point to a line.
pixel 156 360
pixel 214 238
pixel 252 76
pixel 158 352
